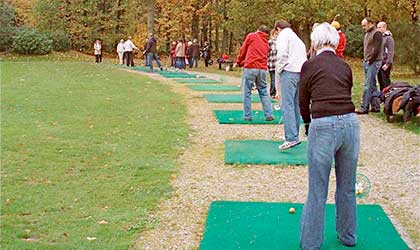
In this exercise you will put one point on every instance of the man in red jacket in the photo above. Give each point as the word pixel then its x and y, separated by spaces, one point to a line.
pixel 341 47
pixel 253 57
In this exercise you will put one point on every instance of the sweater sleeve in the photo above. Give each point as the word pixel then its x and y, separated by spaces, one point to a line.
pixel 242 53
pixel 304 94
pixel 390 48
pixel 377 44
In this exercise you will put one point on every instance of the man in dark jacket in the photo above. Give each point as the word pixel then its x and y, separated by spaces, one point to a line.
pixel 384 75
pixel 195 53
pixel 373 53
pixel 151 52
pixel 253 57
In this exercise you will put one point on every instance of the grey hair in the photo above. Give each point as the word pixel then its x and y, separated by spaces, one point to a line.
pixel 324 35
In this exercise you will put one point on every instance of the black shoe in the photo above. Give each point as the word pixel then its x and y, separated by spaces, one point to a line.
pixel 248 119
pixel 270 118
pixel 374 111
pixel 161 68
pixel 361 112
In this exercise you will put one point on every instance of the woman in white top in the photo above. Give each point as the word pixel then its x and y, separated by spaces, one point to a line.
pixel 120 51
pixel 98 51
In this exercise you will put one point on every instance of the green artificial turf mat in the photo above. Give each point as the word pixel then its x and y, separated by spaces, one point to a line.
pixel 259 225
pixel 263 152
pixel 176 75
pixel 230 98
pixel 214 87
pixel 236 117
pixel 197 80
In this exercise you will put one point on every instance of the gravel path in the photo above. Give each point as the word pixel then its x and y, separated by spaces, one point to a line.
pixel 203 177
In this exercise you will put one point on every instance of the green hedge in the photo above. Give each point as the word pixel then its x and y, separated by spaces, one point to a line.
pixel 31 41
pixel 60 40
pixel 355 36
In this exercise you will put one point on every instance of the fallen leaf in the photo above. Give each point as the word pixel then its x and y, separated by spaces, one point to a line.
pixel 90 238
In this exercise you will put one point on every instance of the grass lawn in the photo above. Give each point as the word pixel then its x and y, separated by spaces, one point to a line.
pixel 87 151
pixel 399 73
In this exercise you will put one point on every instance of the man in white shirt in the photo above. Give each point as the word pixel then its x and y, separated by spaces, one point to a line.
pixel 128 50
pixel 291 54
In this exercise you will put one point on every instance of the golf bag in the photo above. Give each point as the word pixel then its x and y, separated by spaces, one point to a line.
pixel 393 97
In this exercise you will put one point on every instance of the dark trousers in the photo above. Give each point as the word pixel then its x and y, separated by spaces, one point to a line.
pixel 129 58
pixel 384 77
pixel 98 58
pixel 272 83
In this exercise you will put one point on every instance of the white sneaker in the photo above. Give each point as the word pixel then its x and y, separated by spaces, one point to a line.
pixel 288 144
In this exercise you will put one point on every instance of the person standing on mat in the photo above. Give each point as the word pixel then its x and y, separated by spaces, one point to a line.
pixel 253 57
pixel 291 54
pixel 325 92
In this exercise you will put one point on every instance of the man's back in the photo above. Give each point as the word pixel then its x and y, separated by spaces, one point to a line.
pixel 254 51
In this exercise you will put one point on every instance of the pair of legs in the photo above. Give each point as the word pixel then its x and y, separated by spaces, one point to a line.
pixel 98 58
pixel 150 57
pixel 272 83
pixel 180 63
pixel 193 62
pixel 129 58
pixel 121 57
pixel 331 138
pixel 257 76
pixel 289 86
pixel 370 92
pixel 384 77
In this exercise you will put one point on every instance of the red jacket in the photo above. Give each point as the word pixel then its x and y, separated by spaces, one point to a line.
pixel 254 51
pixel 341 45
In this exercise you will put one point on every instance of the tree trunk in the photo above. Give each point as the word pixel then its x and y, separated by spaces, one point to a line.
pixel 217 39
pixel 230 43
pixel 151 16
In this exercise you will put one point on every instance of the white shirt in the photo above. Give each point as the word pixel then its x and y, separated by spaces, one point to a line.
pixel 97 47
pixel 120 47
pixel 291 51
pixel 129 45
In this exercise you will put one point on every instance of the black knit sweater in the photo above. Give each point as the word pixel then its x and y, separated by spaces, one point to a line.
pixel 325 87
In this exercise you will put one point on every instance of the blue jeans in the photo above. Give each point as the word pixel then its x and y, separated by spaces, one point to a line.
pixel 180 63
pixel 272 83
pixel 193 61
pixel 370 92
pixel 150 57
pixel 289 84
pixel 257 76
pixel 331 138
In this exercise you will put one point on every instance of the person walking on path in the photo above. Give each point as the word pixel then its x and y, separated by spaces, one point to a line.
pixel 341 47
pixel 373 53
pixel 128 50
pixel 253 57
pixel 151 51
pixel 384 75
pixel 272 58
pixel 333 136
pixel 98 51
pixel 120 51
pixel 291 54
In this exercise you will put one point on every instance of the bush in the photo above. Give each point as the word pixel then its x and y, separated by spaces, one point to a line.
pixel 355 36
pixel 31 41
pixel 60 40
pixel 407 47
pixel 7 26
